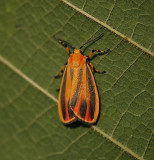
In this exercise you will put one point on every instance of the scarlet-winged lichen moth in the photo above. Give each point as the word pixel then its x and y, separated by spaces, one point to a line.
pixel 78 96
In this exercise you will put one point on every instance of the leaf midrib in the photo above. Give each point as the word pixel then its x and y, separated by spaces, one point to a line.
pixel 109 28
pixel 34 84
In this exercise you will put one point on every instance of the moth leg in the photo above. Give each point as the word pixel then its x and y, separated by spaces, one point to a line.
pixel 61 72
pixel 95 70
pixel 63 43
pixel 99 51
pixel 58 89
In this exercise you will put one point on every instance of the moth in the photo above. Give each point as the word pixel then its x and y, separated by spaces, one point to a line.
pixel 78 96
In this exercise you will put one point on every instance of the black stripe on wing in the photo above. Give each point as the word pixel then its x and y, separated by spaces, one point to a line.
pixel 63 105
pixel 71 73
pixel 92 92
pixel 83 109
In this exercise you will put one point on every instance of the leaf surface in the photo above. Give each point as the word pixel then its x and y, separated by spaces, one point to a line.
pixel 30 58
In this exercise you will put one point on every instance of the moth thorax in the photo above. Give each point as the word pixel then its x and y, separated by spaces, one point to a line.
pixel 75 60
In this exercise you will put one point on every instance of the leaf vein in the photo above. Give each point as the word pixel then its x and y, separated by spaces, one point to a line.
pixel 111 11
pixel 67 147
pixel 25 77
pixel 116 142
pixel 109 27
pixel 147 144
pixel 126 70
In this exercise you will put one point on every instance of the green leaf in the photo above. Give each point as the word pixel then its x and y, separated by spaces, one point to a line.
pixel 30 57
